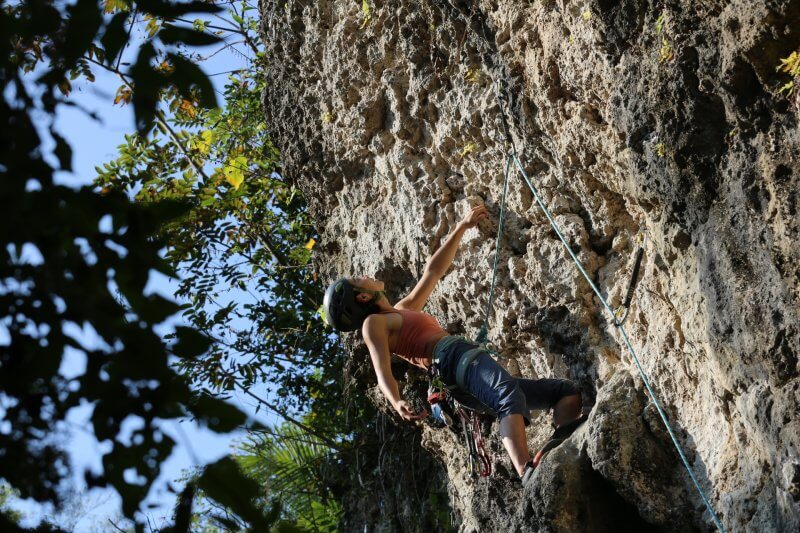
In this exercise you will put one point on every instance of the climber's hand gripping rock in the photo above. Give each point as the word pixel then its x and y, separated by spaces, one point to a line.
pixel 407 412
pixel 474 216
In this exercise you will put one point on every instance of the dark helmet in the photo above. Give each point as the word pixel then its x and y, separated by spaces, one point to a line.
pixel 341 309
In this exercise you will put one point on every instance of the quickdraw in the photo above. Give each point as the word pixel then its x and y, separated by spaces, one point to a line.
pixel 443 407
pixel 479 462
pixel 621 312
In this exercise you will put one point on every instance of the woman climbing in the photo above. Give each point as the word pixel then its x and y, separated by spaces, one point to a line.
pixel 403 329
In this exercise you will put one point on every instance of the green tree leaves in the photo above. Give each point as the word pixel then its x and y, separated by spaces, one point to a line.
pixel 63 266
pixel 295 465
pixel 234 170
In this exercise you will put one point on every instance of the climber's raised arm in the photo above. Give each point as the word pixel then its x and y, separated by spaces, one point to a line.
pixel 440 261
pixel 376 336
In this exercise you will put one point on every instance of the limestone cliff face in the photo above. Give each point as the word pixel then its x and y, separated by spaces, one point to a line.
pixel 629 115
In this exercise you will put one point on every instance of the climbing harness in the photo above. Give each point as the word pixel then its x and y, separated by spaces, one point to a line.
pixel 455 403
pixel 512 157
pixel 621 312
pixel 463 363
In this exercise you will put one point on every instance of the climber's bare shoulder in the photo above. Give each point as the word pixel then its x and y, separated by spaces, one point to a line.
pixel 375 329
pixel 380 334
pixel 418 296
pixel 381 325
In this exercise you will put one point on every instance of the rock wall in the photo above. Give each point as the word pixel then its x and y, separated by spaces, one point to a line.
pixel 663 117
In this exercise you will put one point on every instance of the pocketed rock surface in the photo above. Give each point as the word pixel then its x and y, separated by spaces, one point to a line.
pixel 662 117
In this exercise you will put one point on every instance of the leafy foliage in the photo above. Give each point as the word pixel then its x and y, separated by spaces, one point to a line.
pixel 665 50
pixel 243 250
pixel 474 74
pixel 295 466
pixel 10 516
pixel 791 65
pixel 366 13
pixel 73 259
pixel 243 247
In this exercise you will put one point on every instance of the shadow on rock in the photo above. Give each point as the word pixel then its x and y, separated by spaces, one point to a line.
pixel 613 474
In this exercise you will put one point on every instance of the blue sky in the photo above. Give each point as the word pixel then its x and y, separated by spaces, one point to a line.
pixel 94 142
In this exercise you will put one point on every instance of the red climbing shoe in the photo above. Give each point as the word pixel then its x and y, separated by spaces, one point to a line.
pixel 561 433
pixel 549 445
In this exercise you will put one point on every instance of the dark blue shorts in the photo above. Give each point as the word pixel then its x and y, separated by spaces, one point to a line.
pixel 492 386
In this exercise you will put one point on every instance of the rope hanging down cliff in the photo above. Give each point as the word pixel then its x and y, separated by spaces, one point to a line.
pixel 482 335
pixel 512 157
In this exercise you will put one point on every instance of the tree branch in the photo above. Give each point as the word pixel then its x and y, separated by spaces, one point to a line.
pixel 286 416
pixel 116 526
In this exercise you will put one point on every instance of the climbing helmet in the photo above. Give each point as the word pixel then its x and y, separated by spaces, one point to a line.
pixel 341 309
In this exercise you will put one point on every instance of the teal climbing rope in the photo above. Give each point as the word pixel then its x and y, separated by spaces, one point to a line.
pixel 483 332
pixel 621 329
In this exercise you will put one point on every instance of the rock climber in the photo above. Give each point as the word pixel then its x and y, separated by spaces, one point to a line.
pixel 409 333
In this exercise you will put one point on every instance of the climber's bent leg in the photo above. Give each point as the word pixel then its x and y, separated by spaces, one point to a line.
pixel 493 386
pixel 567 409
pixel 560 395
pixel 564 398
